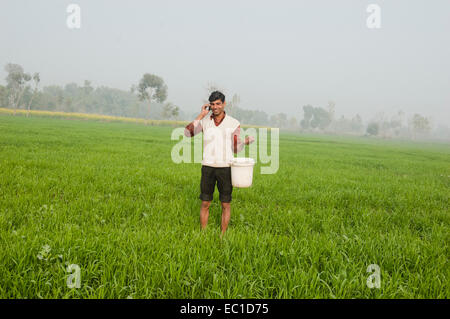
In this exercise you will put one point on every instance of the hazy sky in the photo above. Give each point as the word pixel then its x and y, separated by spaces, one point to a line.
pixel 277 55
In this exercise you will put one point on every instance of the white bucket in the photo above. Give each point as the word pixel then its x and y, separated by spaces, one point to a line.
pixel 242 171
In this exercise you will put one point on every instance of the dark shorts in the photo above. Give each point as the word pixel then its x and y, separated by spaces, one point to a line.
pixel 208 182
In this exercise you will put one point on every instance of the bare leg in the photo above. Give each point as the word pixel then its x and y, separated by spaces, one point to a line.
pixel 204 213
pixel 226 212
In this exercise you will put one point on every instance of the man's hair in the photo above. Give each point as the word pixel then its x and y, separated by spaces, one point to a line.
pixel 216 95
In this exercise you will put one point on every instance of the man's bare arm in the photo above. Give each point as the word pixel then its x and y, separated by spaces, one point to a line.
pixel 238 145
pixel 195 126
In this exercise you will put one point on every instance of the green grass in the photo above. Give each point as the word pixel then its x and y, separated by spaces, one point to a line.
pixel 107 197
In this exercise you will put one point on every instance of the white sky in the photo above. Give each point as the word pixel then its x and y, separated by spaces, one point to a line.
pixel 277 55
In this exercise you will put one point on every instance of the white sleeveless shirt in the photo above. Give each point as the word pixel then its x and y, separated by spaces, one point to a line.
pixel 217 141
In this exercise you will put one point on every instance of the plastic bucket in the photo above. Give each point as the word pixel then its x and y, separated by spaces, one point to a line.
pixel 242 171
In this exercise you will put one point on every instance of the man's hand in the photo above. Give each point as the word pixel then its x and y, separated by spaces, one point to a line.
pixel 205 110
pixel 203 113
pixel 249 140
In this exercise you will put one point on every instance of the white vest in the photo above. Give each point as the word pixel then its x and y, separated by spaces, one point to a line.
pixel 217 141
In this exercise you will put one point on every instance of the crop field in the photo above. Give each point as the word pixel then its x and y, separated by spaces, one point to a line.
pixel 106 197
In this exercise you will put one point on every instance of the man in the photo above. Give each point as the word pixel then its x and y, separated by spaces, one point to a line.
pixel 221 138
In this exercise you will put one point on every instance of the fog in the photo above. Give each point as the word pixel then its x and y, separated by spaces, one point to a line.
pixel 276 55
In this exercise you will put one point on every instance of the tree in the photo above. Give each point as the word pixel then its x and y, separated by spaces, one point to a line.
pixel 343 125
pixel 316 117
pixel 36 80
pixel 3 96
pixel 235 100
pixel 170 111
pixel 87 87
pixel 260 118
pixel 420 124
pixel 279 120
pixel 356 124
pixel 176 112
pixel 372 128
pixel 152 88
pixel 331 108
pixel 308 112
pixel 321 118
pixel 293 123
pixel 211 87
pixel 16 83
pixel 396 122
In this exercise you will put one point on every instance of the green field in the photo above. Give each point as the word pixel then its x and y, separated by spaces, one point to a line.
pixel 107 197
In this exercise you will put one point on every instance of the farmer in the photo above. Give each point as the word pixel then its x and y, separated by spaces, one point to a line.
pixel 220 140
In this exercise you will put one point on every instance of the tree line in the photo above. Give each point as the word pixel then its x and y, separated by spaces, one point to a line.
pixel 144 100
pixel 148 99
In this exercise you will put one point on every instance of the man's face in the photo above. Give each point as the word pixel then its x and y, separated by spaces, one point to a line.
pixel 217 107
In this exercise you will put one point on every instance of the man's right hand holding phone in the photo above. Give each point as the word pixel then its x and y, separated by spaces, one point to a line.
pixel 205 110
